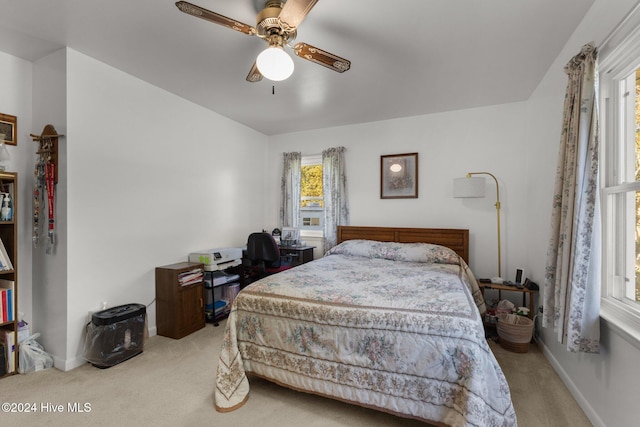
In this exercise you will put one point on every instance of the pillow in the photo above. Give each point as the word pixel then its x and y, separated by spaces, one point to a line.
pixel 409 252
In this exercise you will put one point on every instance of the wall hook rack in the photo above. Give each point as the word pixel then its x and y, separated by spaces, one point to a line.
pixel 48 147
pixel 46 173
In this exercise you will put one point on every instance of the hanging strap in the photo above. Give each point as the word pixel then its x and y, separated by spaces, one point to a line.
pixel 38 194
pixel 50 199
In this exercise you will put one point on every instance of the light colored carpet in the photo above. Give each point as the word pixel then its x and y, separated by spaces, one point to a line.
pixel 171 384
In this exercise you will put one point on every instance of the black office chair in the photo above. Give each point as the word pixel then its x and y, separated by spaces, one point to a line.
pixel 264 255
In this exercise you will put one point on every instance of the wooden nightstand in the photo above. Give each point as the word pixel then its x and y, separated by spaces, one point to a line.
pixel 523 290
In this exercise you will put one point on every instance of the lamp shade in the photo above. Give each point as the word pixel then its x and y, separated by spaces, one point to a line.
pixel 469 187
pixel 274 63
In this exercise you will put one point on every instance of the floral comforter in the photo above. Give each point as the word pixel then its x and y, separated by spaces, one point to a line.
pixel 391 326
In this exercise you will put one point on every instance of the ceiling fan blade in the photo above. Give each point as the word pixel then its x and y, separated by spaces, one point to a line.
pixel 199 12
pixel 322 57
pixel 254 75
pixel 294 11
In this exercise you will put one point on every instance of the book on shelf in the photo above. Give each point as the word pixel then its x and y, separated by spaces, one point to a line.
pixel 4 258
pixel 8 338
pixel 7 293
pixel 6 306
pixel 3 360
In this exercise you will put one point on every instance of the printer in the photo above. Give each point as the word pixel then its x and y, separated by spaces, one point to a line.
pixel 219 300
pixel 217 259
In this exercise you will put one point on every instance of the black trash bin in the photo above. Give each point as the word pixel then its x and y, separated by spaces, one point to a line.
pixel 115 335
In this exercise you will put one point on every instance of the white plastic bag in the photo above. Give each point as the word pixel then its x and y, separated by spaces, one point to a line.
pixel 33 358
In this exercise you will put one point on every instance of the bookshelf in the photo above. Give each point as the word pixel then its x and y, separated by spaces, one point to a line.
pixel 9 275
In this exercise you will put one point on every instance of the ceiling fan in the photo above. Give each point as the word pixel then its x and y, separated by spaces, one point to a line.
pixel 276 24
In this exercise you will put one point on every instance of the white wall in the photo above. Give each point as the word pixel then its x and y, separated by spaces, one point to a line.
pixel 605 385
pixel 152 178
pixel 15 99
pixel 145 178
pixel 449 145
pixel 50 270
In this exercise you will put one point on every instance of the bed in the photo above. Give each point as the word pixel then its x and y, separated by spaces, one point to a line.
pixel 390 319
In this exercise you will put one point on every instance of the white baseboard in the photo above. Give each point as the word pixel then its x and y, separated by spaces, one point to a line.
pixel 67 365
pixel 575 392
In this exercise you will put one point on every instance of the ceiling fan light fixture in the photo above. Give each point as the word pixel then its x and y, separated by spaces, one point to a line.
pixel 274 63
pixel 277 24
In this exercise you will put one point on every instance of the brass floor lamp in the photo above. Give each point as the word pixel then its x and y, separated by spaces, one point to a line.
pixel 475 187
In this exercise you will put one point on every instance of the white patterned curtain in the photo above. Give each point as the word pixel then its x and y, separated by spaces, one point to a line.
pixel 572 278
pixel 290 189
pixel 334 188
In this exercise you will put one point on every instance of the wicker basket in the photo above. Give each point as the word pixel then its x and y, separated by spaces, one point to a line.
pixel 515 332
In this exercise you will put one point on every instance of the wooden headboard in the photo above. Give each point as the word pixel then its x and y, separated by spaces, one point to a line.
pixel 456 239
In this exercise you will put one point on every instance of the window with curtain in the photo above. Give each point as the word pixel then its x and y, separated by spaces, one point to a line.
pixel 336 199
pixel 620 112
pixel 311 194
pixel 573 269
pixel 290 190
pixel 318 184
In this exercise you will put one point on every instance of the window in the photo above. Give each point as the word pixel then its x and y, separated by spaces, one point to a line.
pixel 312 202
pixel 620 175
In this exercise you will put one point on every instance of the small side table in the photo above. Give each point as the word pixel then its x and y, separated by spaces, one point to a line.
pixel 523 290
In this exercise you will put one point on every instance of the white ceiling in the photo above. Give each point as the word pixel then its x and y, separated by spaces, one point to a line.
pixel 408 57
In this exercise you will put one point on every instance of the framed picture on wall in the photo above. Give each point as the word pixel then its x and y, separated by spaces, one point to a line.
pixel 399 176
pixel 9 127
